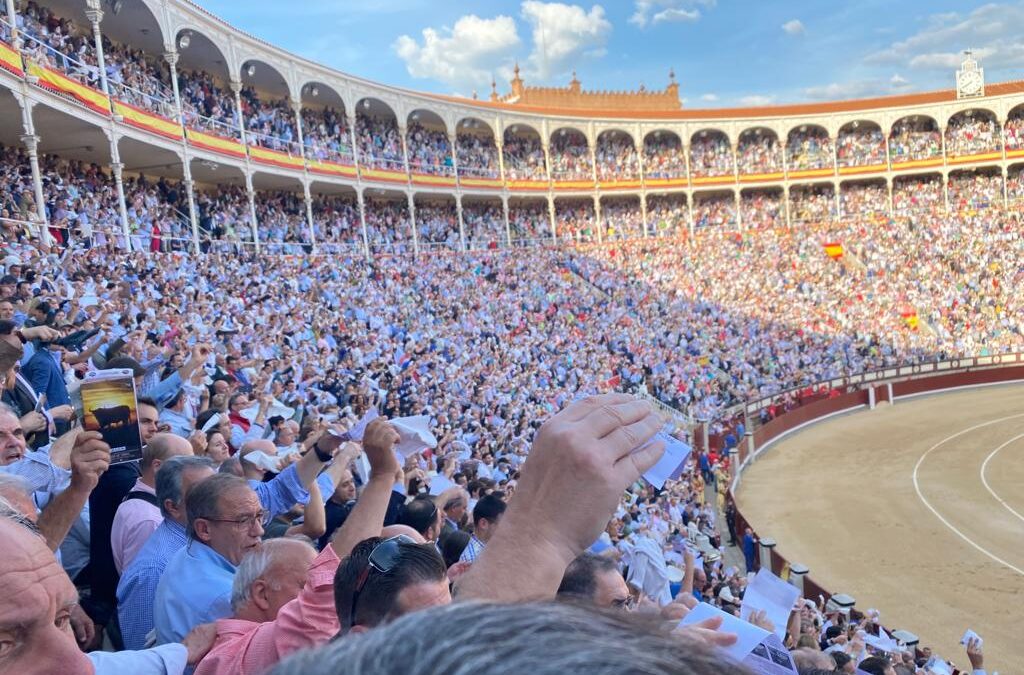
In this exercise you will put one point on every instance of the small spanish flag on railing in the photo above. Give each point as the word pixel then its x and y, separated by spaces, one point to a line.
pixel 910 318
pixel 834 250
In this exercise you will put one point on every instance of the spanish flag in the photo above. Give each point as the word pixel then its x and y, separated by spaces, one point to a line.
pixel 910 318
pixel 834 250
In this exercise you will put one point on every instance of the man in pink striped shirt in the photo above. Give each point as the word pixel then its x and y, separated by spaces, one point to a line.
pixel 283 597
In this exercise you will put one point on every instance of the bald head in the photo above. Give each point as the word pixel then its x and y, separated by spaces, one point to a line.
pixel 162 447
pixel 395 530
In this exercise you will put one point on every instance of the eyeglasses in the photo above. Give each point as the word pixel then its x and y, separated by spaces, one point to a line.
pixel 628 604
pixel 243 522
pixel 383 558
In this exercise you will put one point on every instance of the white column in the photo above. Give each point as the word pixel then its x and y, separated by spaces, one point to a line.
pixel 689 207
pixel 118 168
pixel 452 138
pixel 192 215
pixel 405 154
pixel 31 142
pixel 892 207
pixel 462 225
pixel 362 221
pixel 236 88
pixel 945 191
pixel 551 214
pixel 789 215
pixel 412 217
pixel 251 194
pixel 308 199
pixel 171 57
pixel 508 225
pixel 839 205
pixel 597 219
pixel 643 213
pixel 12 18
pixel 352 135
pixel 95 15
pixel 500 146
pixel 547 162
pixel 297 107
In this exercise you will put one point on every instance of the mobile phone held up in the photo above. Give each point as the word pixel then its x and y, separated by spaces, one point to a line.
pixel 108 404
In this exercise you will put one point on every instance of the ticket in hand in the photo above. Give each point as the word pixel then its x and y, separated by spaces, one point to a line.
pixel 672 463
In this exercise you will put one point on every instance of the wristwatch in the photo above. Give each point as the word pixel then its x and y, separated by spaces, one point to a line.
pixel 21 336
pixel 321 455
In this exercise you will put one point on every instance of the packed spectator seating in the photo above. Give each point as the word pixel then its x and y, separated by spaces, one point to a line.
pixel 970 134
pixel 762 209
pixel 667 215
pixel 575 221
pixel 570 156
pixel 711 155
pixel 1013 132
pixel 437 226
pixel 429 151
pixel 326 135
pixel 809 147
pixel 812 203
pixel 917 194
pixel 206 105
pixel 336 223
pixel 524 157
pixel 616 157
pixel 478 156
pixel 58 43
pixel 975 190
pixel 387 226
pixel 269 123
pixel 863 200
pixel 621 218
pixel 484 223
pixel 758 152
pixel 914 138
pixel 664 156
pixel 714 210
pixel 380 146
pixel 1015 185
pixel 861 144
pixel 283 225
pixel 530 223
pixel 225 219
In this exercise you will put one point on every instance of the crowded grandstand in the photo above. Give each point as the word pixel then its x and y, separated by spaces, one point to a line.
pixel 404 361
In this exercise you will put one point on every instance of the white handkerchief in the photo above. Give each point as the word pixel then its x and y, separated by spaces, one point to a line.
pixel 773 595
pixel 971 635
pixel 672 462
pixel 262 460
pixel 439 484
pixel 414 434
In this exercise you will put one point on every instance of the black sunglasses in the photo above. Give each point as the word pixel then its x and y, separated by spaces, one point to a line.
pixel 383 558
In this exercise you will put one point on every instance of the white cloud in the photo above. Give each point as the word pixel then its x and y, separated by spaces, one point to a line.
pixel 794 27
pixel 709 98
pixel 653 12
pixel 463 56
pixel 838 91
pixel 756 100
pixel 994 29
pixel 563 35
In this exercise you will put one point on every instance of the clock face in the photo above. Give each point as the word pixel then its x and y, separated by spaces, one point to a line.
pixel 970 82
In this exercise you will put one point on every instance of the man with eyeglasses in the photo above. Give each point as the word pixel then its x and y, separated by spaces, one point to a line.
pixel 276 610
pixel 595 579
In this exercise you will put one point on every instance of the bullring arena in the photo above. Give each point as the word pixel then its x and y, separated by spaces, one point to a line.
pixel 915 509
pixel 823 298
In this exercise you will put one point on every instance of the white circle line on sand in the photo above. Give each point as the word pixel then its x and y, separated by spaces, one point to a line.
pixel 953 528
pixel 984 480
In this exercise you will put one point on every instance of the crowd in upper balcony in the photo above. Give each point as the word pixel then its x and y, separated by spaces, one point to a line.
pixel 861 200
pixel 975 190
pixel 575 221
pixel 387 226
pixel 815 203
pixel 917 194
pixel 269 123
pixel 530 224
pixel 914 138
pixel 570 157
pixel 861 145
pixel 664 156
pixel 206 106
pixel 616 158
pixel 667 215
pixel 715 210
pixel 478 156
pixel 972 134
pixel 758 152
pixel 326 134
pixel 524 158
pixel 379 143
pixel 809 148
pixel 429 150
pixel 336 222
pixel 711 155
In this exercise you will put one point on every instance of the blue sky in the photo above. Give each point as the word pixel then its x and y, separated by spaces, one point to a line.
pixel 724 52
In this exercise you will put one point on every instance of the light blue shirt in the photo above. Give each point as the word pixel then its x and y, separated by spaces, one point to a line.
pixel 162 660
pixel 137 586
pixel 195 588
pixel 180 425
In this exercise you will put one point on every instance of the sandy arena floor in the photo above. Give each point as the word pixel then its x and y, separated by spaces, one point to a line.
pixel 841 498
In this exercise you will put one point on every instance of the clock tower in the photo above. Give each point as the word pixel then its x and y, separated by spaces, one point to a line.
pixel 970 79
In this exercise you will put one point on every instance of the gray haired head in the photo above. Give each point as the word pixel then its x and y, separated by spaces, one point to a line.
pixel 511 639
pixel 256 565
pixel 12 485
pixel 168 478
